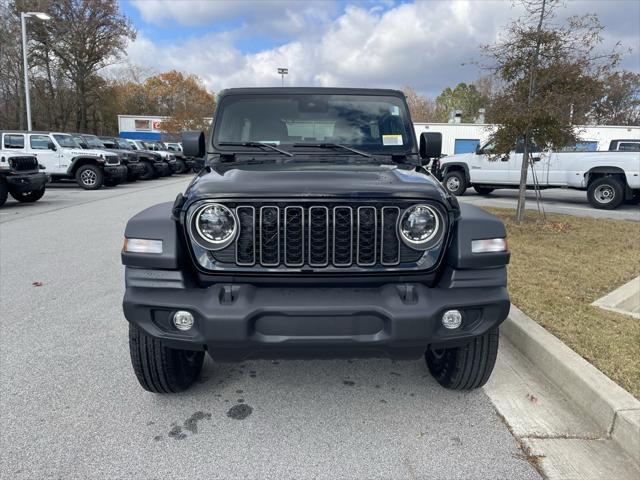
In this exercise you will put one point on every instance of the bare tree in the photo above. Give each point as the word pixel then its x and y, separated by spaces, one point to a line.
pixel 83 36
pixel 422 109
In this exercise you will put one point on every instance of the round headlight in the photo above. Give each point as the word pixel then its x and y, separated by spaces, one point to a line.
pixel 215 225
pixel 419 224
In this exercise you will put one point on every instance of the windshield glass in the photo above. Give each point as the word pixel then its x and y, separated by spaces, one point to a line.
pixel 66 141
pixel 378 124
pixel 93 142
pixel 124 145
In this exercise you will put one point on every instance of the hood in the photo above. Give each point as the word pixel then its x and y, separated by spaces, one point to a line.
pixel 91 152
pixel 316 180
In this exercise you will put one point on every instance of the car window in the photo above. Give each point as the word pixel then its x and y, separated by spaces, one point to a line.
pixel 39 142
pixel 629 147
pixel 13 141
pixel 532 146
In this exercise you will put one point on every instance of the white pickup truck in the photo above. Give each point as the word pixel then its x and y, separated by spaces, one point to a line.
pixel 610 178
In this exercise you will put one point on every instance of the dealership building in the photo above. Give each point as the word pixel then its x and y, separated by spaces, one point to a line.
pixel 144 127
pixel 456 137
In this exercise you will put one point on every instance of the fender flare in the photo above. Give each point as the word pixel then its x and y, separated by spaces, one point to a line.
pixel 457 166
pixel 81 159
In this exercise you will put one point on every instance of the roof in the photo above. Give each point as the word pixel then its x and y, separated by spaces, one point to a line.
pixel 310 91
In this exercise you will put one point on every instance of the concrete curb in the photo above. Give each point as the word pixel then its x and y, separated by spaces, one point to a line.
pixel 625 300
pixel 614 410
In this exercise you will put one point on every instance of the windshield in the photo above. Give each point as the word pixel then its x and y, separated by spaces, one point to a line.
pixel 93 142
pixel 377 124
pixel 124 145
pixel 66 141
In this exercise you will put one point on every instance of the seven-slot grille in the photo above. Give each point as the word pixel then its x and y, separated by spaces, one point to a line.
pixel 317 236
pixel 23 163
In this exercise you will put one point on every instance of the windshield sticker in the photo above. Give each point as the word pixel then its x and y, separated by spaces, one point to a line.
pixel 391 139
pixel 395 110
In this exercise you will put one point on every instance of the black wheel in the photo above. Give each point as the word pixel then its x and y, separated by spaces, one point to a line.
pixel 111 182
pixel 149 172
pixel 182 167
pixel 606 193
pixel 131 175
pixel 3 192
pixel 90 177
pixel 29 197
pixel 466 367
pixel 455 183
pixel 483 190
pixel 160 369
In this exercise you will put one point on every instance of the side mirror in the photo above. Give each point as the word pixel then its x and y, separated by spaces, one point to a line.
pixel 193 144
pixel 51 146
pixel 430 145
pixel 478 151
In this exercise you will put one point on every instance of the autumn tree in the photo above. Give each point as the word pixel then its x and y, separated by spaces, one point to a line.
pixel 550 78
pixel 182 98
pixel 422 109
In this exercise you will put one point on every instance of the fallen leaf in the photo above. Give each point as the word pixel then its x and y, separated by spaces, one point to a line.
pixel 37 284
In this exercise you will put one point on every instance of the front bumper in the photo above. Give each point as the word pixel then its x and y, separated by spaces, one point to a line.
pixel 26 182
pixel 237 321
pixel 162 168
pixel 174 166
pixel 134 170
pixel 115 172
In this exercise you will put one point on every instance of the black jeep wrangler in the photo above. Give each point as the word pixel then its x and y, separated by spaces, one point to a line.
pixel 313 231
pixel 20 176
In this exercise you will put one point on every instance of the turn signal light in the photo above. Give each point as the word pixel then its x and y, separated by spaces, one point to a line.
pixel 489 245
pixel 142 245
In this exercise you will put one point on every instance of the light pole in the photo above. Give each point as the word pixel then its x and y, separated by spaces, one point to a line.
pixel 23 21
pixel 283 72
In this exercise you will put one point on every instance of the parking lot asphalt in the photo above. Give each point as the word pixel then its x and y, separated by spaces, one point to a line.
pixel 70 406
pixel 557 200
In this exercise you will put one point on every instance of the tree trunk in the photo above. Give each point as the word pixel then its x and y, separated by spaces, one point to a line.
pixel 532 88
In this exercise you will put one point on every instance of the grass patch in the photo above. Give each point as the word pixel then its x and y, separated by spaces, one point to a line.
pixel 558 268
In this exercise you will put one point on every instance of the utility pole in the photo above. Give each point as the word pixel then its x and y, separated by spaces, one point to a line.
pixel 23 22
pixel 283 72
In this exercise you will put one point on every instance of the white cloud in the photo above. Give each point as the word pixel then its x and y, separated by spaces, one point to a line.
pixel 423 44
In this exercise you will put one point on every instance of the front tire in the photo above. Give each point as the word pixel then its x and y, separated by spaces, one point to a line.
pixel 182 167
pixel 606 193
pixel 455 183
pixel 112 182
pixel 90 177
pixel 483 190
pixel 29 197
pixel 466 367
pixel 161 369
pixel 4 191
pixel 149 172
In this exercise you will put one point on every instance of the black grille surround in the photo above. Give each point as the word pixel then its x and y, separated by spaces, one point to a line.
pixel 23 164
pixel 312 235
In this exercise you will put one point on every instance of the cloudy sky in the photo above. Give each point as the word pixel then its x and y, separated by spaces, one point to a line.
pixel 427 44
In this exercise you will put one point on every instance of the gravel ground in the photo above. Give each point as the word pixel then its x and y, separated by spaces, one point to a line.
pixel 70 406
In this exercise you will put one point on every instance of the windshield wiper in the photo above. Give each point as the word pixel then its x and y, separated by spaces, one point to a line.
pixel 332 145
pixel 255 144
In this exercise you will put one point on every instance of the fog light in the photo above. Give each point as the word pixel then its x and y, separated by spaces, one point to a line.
pixel 451 319
pixel 183 320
